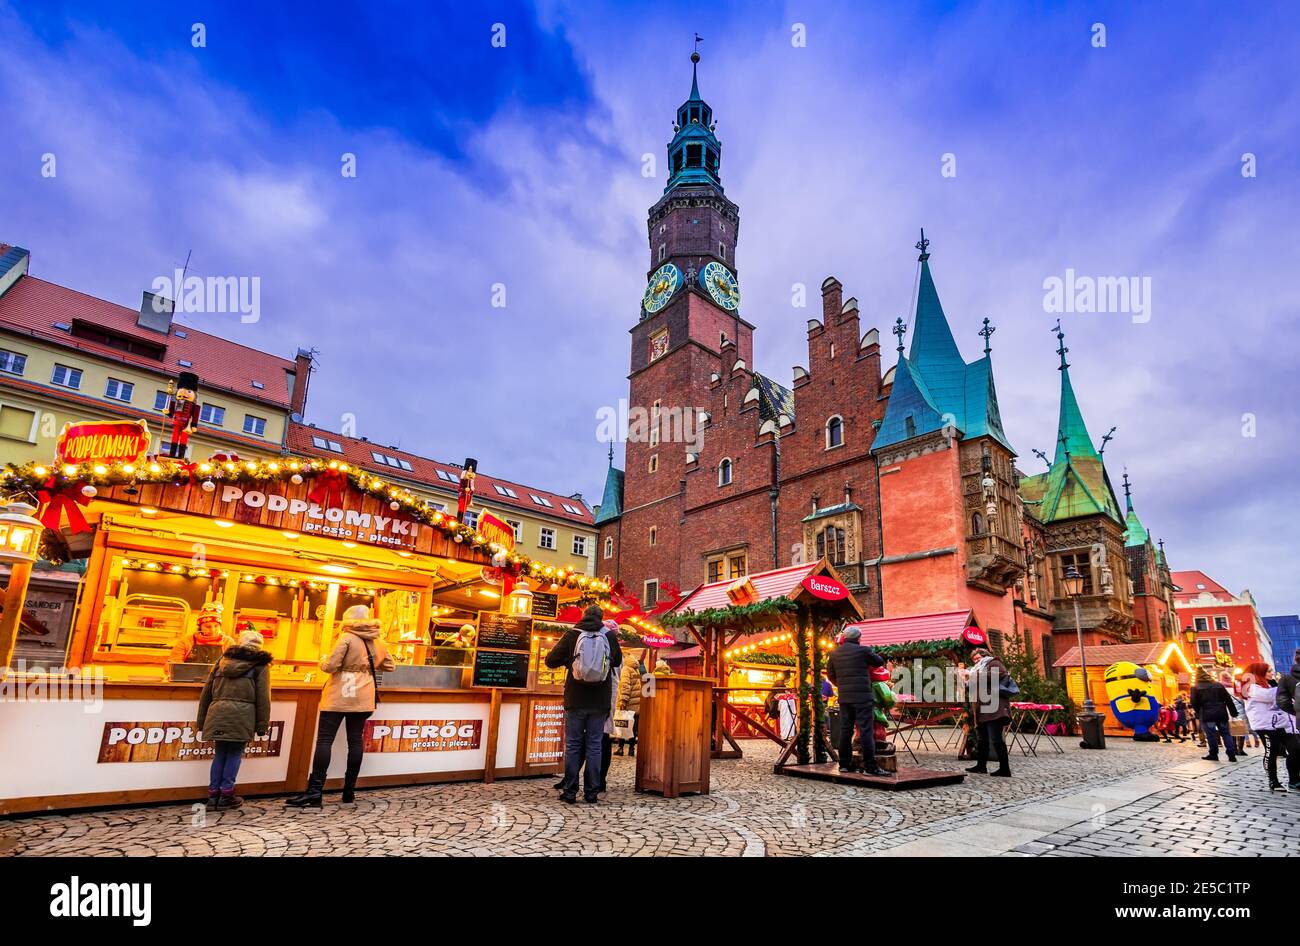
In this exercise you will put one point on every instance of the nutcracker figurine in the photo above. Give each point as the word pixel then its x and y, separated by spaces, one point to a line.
pixel 183 409
pixel 465 495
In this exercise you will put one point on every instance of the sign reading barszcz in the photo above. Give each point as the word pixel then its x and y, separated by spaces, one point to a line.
pixel 91 441
pixel 828 589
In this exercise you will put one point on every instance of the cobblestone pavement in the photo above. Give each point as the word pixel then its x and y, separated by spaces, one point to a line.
pixel 1133 799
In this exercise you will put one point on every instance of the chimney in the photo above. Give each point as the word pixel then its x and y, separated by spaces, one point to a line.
pixel 302 369
pixel 155 313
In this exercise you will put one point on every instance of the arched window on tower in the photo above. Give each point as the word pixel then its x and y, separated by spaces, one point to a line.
pixel 834 432
pixel 724 472
pixel 609 546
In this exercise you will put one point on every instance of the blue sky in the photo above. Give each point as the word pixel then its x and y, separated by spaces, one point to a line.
pixel 521 166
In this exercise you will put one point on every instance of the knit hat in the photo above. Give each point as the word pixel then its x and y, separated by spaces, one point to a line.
pixel 851 635
pixel 356 614
pixel 250 638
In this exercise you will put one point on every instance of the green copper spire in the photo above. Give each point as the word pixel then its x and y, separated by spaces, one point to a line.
pixel 1134 532
pixel 1076 484
pixel 694 154
pixel 1072 435
pixel 611 503
pixel 934 388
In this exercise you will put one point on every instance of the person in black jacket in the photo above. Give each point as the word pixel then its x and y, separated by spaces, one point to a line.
pixel 586 707
pixel 1213 705
pixel 1286 687
pixel 849 669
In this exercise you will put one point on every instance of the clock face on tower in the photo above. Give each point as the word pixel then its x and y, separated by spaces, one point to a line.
pixel 721 285
pixel 663 283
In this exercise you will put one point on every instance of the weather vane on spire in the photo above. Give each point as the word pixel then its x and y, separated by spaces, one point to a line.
pixel 1110 435
pixel 900 330
pixel 1060 337
pixel 695 54
pixel 924 246
pixel 1042 456
pixel 1127 489
pixel 987 331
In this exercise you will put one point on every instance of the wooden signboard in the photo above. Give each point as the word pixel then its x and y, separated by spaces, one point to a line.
pixel 498 631
pixel 545 605
pixel 504 669
pixel 174 742
pixel 422 735
pixel 545 745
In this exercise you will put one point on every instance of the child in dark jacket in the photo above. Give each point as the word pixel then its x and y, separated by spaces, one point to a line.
pixel 235 706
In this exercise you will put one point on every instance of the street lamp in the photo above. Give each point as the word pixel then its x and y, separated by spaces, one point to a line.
pixel 1090 721
pixel 1189 635
pixel 19 533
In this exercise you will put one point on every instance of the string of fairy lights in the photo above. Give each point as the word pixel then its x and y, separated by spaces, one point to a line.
pixel 87 479
pixel 738 654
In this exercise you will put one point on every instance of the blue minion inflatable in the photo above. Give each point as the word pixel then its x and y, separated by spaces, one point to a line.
pixel 1131 693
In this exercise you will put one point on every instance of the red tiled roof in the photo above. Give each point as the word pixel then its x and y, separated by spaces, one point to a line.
pixel 423 470
pixel 1142 653
pixel 917 627
pixel 32 306
pixel 1188 581
pixel 774 584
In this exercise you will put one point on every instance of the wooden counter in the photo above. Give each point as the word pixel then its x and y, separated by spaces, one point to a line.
pixel 133 743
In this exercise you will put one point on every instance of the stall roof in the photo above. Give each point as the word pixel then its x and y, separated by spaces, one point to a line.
pixel 917 627
pixel 1154 652
pixel 773 584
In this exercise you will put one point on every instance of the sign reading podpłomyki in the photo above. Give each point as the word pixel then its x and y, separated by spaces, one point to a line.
pixel 422 735
pixel 335 522
pixel 174 742
pixel 91 441
pixel 825 588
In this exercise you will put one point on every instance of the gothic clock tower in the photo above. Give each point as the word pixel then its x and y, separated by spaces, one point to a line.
pixel 688 329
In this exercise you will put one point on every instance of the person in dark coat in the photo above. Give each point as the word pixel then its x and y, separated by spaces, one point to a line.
pixel 1286 688
pixel 234 707
pixel 586 708
pixel 849 669
pixel 987 685
pixel 1180 716
pixel 1213 705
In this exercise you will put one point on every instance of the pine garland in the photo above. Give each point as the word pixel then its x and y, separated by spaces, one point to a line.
pixel 910 650
pixel 31 478
pixel 804 735
pixel 818 702
pixel 720 617
pixel 770 660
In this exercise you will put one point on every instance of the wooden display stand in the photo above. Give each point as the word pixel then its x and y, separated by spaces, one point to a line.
pixel 673 738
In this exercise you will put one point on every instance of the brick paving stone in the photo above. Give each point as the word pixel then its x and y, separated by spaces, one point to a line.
pixel 1194 808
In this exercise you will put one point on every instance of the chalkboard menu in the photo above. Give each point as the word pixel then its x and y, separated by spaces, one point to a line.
pixel 498 631
pixel 501 668
pixel 545 605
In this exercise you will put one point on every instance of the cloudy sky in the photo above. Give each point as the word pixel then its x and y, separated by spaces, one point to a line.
pixel 520 166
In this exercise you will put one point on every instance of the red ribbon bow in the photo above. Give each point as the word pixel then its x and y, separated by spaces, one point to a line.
pixel 55 502
pixel 328 490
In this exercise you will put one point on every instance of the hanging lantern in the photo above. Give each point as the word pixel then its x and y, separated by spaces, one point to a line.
pixel 19 533
pixel 519 603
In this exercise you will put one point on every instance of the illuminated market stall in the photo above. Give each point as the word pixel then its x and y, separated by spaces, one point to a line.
pixel 174 559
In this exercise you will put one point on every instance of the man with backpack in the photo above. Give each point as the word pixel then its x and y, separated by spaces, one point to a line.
pixel 589 650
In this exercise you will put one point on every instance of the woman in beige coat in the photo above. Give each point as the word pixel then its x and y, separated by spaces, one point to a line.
pixel 348 699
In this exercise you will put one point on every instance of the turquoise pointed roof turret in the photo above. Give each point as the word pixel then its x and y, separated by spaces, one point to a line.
pixel 1134 532
pixel 695 153
pixel 933 385
pixel 611 502
pixel 1077 483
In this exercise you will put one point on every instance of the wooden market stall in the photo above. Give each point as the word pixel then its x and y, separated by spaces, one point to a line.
pixel 283 547
pixel 1170 671
pixel 802 603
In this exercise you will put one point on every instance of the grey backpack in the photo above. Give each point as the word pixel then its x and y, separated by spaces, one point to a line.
pixel 591 657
